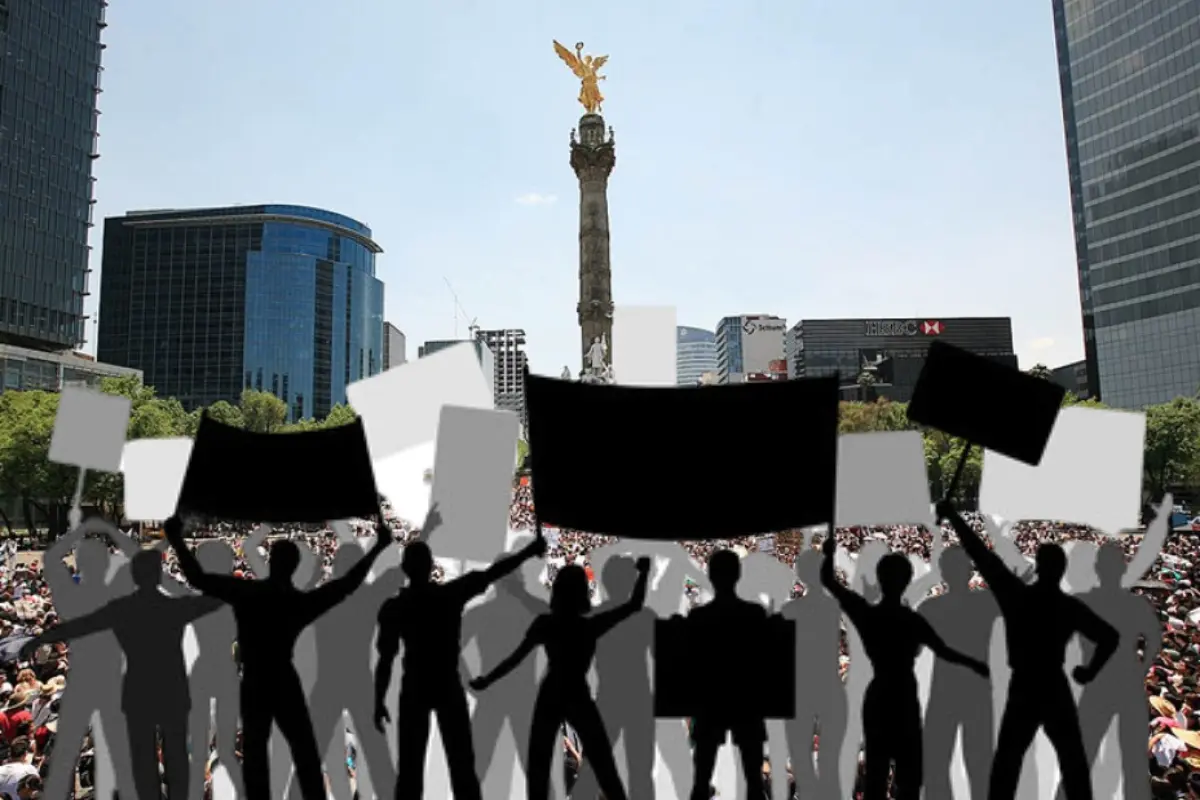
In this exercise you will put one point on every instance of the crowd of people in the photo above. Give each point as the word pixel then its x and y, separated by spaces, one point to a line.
pixel 30 690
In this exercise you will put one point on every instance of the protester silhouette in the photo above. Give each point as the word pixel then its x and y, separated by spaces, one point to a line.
pixel 1039 620
pixel 343 685
pixel 96 666
pixel 962 700
pixel 665 598
pixel 860 575
pixel 214 680
pixel 820 694
pixel 623 692
pixel 569 634
pixel 271 614
pixel 892 636
pixel 149 626
pixel 1119 689
pixel 427 617
pixel 496 627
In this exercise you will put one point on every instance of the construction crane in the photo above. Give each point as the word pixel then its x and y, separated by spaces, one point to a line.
pixel 473 326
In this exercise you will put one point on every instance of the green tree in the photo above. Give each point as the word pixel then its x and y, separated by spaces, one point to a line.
pixel 1040 371
pixel 942 454
pixel 339 415
pixel 226 413
pixel 262 412
pixel 1172 455
pixel 882 415
pixel 42 488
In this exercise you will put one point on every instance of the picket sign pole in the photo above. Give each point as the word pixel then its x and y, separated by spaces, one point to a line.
pixel 76 516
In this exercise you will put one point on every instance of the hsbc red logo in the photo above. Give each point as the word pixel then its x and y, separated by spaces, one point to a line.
pixel 932 328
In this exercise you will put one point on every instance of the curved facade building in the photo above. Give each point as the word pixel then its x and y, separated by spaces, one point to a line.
pixel 695 355
pixel 210 302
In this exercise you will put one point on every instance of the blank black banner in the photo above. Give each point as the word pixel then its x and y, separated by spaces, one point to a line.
pixel 706 462
pixel 313 476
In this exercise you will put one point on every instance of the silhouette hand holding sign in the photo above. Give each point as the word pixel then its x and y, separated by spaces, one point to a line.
pixel 892 635
pixel 271 614
pixel 569 634
pixel 1039 621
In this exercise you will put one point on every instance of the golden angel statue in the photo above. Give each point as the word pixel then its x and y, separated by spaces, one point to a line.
pixel 586 68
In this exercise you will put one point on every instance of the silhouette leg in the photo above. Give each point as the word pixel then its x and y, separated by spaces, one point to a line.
pixel 675 750
pixel 226 734
pixel 942 721
pixel 412 729
pixel 1094 720
pixel 174 730
pixel 454 723
pixel 1062 729
pixel 199 723
pixel 282 761
pixel 777 751
pixel 584 717
pixel 296 726
pixel 750 751
pixel 374 748
pixel 704 762
pixel 910 767
pixel 334 741
pixel 72 728
pixel 1019 725
pixel 143 748
pixel 978 750
pixel 1131 732
pixel 639 756
pixel 543 738
pixel 486 726
pixel 831 722
pixel 256 732
pixel 800 732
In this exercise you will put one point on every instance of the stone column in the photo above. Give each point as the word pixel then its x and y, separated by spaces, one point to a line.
pixel 593 158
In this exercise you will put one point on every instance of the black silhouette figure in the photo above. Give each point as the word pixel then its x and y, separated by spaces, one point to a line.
pixel 214 679
pixel 271 614
pixel 623 692
pixel 726 619
pixel 892 636
pixel 860 573
pixel 962 700
pixel 496 626
pixel 569 635
pixel 1119 689
pixel 1039 621
pixel 428 618
pixel 96 681
pixel 343 684
pixel 149 626
pixel 820 694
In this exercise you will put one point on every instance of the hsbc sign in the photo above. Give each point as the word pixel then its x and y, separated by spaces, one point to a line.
pixel 907 327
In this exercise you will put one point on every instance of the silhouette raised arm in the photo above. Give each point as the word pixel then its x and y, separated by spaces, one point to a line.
pixel 224 587
pixel 920 588
pixel 931 639
pixel 57 575
pixel 325 597
pixel 1005 546
pixel 533 637
pixel 605 621
pixel 851 602
pixel 1105 636
pixel 1151 545
pixel 1000 579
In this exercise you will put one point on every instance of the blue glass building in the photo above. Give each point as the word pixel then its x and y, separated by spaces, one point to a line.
pixel 695 355
pixel 209 302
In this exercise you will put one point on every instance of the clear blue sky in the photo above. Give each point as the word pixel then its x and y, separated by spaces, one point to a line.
pixel 809 159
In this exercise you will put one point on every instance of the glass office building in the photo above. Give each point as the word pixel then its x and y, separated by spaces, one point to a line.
pixel 1131 110
pixel 210 302
pixel 49 83
pixel 695 355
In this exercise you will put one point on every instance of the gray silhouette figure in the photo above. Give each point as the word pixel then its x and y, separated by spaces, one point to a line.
pixel 820 694
pixel 149 626
pixel 1118 691
pixel 962 700
pixel 666 598
pixel 344 683
pixel 96 664
pixel 860 575
pixel 214 679
pixel 623 693
pixel 768 581
pixel 496 626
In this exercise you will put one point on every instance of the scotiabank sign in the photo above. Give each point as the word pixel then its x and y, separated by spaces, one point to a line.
pixel 903 327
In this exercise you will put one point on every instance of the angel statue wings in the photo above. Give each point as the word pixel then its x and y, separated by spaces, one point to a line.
pixel 586 68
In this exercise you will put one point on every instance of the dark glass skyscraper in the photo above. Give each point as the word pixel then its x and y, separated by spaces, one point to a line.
pixel 209 302
pixel 1131 110
pixel 49 82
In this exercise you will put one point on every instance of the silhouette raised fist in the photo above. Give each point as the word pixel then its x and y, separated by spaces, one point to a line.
pixel 829 546
pixel 643 564
pixel 1083 675
pixel 432 520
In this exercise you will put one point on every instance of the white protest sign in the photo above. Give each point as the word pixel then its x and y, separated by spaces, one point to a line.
pixel 154 471
pixel 400 408
pixel 882 480
pixel 1090 474
pixel 472 486
pixel 644 345
pixel 401 478
pixel 89 429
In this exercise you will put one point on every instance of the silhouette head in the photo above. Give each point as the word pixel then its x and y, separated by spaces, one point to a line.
pixel 894 573
pixel 869 556
pixel 618 577
pixel 346 557
pixel 570 594
pixel 1110 564
pixel 146 568
pixel 91 557
pixel 285 559
pixel 418 562
pixel 1081 566
pixel 216 557
pixel 1051 564
pixel 808 569
pixel 724 571
pixel 955 567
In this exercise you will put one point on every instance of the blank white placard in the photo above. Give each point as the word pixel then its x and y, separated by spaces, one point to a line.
pixel 644 344
pixel 882 480
pixel 401 479
pixel 154 470
pixel 1090 474
pixel 89 429
pixel 472 485
pixel 400 408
